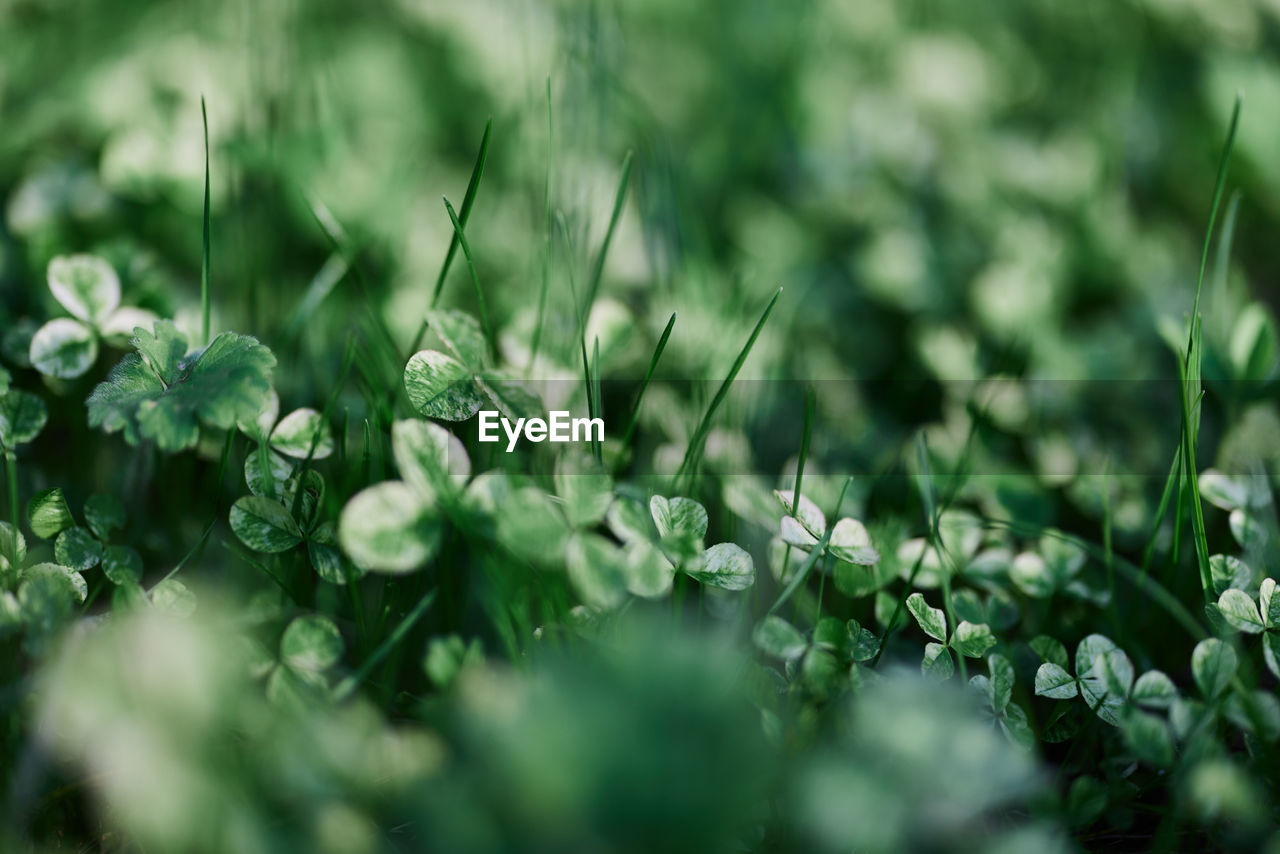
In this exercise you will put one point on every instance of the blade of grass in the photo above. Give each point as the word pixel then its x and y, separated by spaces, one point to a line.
pixel 1189 370
pixel 804 448
pixel 597 269
pixel 694 451
pixel 648 375
pixel 468 199
pixel 345 688
pixel 475 280
pixel 595 393
pixel 206 303
pixel 546 248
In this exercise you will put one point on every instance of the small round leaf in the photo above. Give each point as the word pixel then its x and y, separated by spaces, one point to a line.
pixel 312 643
pixel 264 525
pixel 86 285
pixel 301 431
pixel 63 348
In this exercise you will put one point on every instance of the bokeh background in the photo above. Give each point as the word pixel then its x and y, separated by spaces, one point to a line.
pixel 948 193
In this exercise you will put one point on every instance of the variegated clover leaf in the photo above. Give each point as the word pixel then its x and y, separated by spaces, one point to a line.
pixel 454 386
pixel 971 640
pixel 89 289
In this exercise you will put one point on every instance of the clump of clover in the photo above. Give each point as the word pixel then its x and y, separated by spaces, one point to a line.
pixel 818 662
pixel 84 547
pixel 300 669
pixel 165 394
pixel 89 289
pixel 283 511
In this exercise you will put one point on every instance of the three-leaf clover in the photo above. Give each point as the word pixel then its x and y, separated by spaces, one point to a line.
pixel 971 640
pixel 1261 617
pixel 455 387
pixel 309 648
pixel 395 526
pixel 805 525
pixel 997 690
pixel 165 394
pixel 89 289
pixel 818 660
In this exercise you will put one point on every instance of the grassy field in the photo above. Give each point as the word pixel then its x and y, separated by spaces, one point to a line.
pixel 935 352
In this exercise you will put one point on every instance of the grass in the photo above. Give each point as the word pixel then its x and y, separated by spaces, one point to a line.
pixel 421 641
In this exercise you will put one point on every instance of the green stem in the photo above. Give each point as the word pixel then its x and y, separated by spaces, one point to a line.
pixel 11 475
pixel 205 298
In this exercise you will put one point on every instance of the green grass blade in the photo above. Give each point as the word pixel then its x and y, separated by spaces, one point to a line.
pixel 804 446
pixel 546 248
pixel 345 688
pixel 206 300
pixel 475 280
pixel 648 375
pixel 1223 163
pixel 597 269
pixel 468 199
pixel 694 451
pixel 595 393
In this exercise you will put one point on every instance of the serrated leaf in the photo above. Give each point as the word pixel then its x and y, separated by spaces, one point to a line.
pixel 1050 650
pixel 48 514
pixel 311 642
pixel 724 565
pixel 931 620
pixel 157 394
pixel 22 417
pixel 462 334
pixel 63 348
pixel 264 525
pixel 1155 690
pixel 85 285
pixel 937 663
pixel 585 488
pixel 78 549
pixel 299 432
pixel 597 570
pixel 1054 682
pixel 389 527
pixel 122 565
pixel 776 637
pixel 1240 611
pixel 103 514
pixel 1149 739
pixel 972 640
pixel 1213 665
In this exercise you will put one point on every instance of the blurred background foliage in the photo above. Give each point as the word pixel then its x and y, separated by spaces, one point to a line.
pixel 948 192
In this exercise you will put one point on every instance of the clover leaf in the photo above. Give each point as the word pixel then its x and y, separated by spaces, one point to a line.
pixel 89 289
pixel 165 394
pixel 971 640
pixel 455 387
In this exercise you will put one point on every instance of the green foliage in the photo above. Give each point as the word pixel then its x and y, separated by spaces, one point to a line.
pixel 163 394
